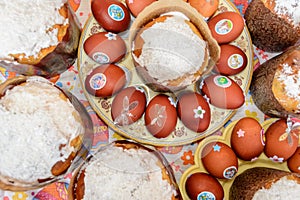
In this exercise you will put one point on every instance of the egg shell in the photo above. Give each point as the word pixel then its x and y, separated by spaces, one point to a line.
pixel 112 15
pixel 278 145
pixel 293 162
pixel 223 92
pixel 226 26
pixel 232 60
pixel 105 80
pixel 219 160
pixel 137 6
pixel 105 47
pixel 161 116
pixel 200 185
pixel 247 139
pixel 204 7
pixel 194 111
pixel 128 106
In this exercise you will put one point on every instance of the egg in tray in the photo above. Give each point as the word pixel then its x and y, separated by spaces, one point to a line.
pixel 244 144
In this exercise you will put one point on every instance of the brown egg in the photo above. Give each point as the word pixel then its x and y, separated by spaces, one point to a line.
pixel 226 26
pixel 112 15
pixel 105 47
pixel 232 60
pixel 247 139
pixel 219 160
pixel 194 111
pixel 294 161
pixel 161 116
pixel 105 80
pixel 128 105
pixel 280 145
pixel 137 6
pixel 201 185
pixel 223 92
pixel 204 7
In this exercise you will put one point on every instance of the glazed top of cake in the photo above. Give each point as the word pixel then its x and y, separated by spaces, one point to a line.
pixel 286 83
pixel 284 188
pixel 171 49
pixel 288 9
pixel 38 124
pixel 126 174
pixel 29 26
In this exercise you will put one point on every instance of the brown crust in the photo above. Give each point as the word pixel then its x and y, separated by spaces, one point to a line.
pixel 77 187
pixel 261 87
pixel 247 183
pixel 268 31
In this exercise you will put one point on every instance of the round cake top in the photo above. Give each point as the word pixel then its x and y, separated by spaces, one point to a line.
pixel 40 124
pixel 27 27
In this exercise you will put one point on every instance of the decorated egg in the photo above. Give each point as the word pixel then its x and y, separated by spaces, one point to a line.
pixel 293 162
pixel 161 116
pixel 201 185
pixel 247 139
pixel 194 111
pixel 226 26
pixel 205 7
pixel 280 142
pixel 105 80
pixel 137 6
pixel 219 160
pixel 223 92
pixel 112 15
pixel 232 60
pixel 128 105
pixel 105 47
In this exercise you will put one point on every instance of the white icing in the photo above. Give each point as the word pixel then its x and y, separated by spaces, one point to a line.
pixel 35 122
pixel 171 50
pixel 25 26
pixel 290 8
pixel 125 174
pixel 281 189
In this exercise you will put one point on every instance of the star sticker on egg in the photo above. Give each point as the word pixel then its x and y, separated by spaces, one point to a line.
pixel 240 133
pixel 111 36
pixel 199 112
pixel 216 147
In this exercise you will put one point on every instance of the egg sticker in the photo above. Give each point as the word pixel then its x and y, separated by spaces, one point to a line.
pixel 223 26
pixel 98 81
pixel 116 12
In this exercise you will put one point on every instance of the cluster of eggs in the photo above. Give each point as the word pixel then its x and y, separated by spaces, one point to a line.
pixel 248 141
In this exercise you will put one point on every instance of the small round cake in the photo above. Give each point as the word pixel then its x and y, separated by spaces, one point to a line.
pixel 40 134
pixel 38 37
pixel 124 170
pixel 172 46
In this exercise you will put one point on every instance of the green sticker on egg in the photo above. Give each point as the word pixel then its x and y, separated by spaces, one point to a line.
pixel 222 81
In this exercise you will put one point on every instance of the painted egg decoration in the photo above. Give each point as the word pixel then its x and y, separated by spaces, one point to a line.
pixel 112 15
pixel 247 139
pixel 222 92
pixel 137 6
pixel 194 111
pixel 128 106
pixel 226 26
pixel 201 185
pixel 232 60
pixel 280 144
pixel 293 162
pixel 219 160
pixel 105 80
pixel 161 116
pixel 205 7
pixel 105 47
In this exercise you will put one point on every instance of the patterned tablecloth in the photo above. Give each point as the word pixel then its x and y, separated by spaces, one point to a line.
pixel 179 157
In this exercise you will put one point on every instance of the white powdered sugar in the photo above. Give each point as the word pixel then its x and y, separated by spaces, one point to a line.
pixel 121 174
pixel 284 188
pixel 171 50
pixel 37 126
pixel 290 8
pixel 26 26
